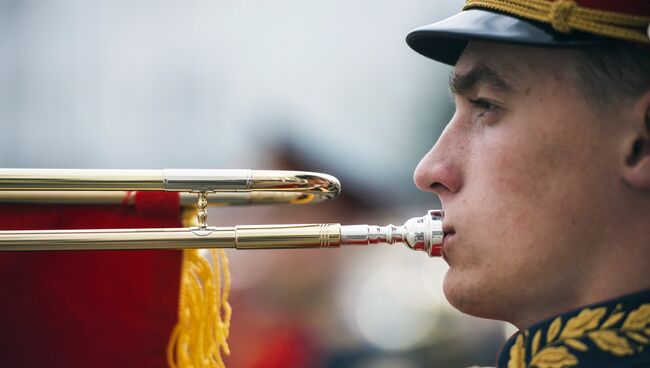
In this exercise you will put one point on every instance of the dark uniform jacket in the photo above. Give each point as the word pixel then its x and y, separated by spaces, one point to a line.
pixel 611 334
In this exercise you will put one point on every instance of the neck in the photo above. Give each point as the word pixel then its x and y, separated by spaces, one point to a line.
pixel 616 268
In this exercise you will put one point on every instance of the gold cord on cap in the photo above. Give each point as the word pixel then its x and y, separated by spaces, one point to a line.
pixel 566 16
pixel 561 11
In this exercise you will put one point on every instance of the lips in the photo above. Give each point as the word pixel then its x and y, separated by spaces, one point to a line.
pixel 449 232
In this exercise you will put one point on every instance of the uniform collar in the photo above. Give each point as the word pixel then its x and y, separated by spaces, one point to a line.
pixel 612 333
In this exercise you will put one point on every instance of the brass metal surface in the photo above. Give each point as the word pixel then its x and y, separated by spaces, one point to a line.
pixel 288 236
pixel 127 197
pixel 272 186
pixel 241 237
pixel 78 179
pixel 199 188
pixel 419 233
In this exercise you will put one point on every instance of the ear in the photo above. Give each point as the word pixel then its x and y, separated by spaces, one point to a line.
pixel 637 168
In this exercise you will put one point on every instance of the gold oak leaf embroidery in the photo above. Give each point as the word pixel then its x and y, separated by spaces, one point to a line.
pixel 576 344
pixel 554 329
pixel 536 339
pixel 517 354
pixel 554 357
pixel 616 341
pixel 611 342
pixel 638 337
pixel 586 320
pixel 613 319
pixel 638 319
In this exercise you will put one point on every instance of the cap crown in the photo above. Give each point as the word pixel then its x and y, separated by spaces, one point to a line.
pixel 620 19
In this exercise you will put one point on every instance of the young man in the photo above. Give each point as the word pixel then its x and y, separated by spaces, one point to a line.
pixel 544 175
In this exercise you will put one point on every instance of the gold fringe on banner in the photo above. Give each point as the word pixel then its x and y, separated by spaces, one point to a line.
pixel 200 336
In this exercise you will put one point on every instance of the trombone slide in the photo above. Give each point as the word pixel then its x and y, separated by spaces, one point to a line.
pixel 419 233
pixel 318 185
pixel 228 186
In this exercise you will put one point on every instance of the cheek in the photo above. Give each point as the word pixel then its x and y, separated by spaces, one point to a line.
pixel 525 159
pixel 520 177
pixel 506 170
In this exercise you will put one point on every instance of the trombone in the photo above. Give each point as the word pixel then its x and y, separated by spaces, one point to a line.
pixel 203 188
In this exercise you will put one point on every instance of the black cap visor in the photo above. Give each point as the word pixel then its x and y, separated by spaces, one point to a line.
pixel 444 41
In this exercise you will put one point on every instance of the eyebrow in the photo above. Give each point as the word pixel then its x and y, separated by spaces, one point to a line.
pixel 460 84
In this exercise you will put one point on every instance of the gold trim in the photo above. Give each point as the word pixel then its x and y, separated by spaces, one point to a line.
pixel 565 16
pixel 562 342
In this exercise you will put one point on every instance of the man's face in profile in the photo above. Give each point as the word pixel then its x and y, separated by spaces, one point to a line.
pixel 521 170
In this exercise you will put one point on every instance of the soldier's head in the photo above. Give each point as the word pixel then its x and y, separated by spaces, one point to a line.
pixel 544 169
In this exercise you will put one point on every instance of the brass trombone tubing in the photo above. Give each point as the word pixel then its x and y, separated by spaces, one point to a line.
pixel 240 237
pixel 127 197
pixel 178 180
pixel 419 233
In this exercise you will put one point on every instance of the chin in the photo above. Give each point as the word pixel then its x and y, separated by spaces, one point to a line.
pixel 471 295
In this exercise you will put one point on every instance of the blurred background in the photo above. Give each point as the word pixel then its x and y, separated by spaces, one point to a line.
pixel 325 86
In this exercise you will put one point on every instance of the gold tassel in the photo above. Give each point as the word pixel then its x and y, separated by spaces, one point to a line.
pixel 200 335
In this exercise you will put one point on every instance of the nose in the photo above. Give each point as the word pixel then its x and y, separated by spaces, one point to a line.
pixel 440 170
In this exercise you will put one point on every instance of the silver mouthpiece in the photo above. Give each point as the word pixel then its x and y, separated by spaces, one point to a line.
pixel 419 233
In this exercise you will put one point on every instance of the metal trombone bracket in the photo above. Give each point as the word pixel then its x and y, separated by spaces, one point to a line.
pixel 202 210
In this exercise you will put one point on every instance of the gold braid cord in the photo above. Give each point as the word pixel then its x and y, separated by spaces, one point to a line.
pixel 565 16
pixel 200 336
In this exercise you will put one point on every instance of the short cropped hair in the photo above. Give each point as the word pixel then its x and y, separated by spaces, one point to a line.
pixel 613 74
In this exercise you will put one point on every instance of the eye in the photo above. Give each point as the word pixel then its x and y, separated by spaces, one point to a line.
pixel 484 106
